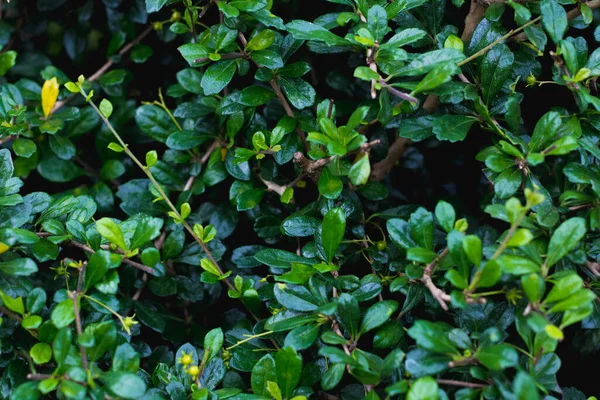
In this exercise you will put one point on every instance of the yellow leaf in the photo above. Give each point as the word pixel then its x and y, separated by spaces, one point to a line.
pixel 3 248
pixel 49 95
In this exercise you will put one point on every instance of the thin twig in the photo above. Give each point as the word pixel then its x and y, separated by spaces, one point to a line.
pixel 593 267
pixel 75 298
pixel 88 249
pixel 572 14
pixel 498 41
pixel 438 294
pixel 451 382
pixel 398 93
pixel 10 314
pixel 161 192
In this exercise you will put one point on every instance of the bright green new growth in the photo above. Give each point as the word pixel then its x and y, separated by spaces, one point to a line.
pixel 253 233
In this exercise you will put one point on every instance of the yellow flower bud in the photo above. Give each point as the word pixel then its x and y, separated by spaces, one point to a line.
pixel 194 371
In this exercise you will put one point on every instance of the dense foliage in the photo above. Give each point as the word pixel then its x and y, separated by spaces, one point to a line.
pixel 257 199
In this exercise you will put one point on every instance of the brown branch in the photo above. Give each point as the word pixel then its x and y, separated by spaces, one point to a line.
pixel 96 75
pixel 398 93
pixel 7 139
pixel 474 17
pixel 582 206
pixel 594 268
pixel 10 314
pixel 395 152
pixel 438 294
pixel 464 361
pixel 38 377
pixel 451 382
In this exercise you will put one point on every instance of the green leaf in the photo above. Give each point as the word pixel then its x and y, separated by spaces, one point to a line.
pixel 288 370
pixel 110 231
pixel 14 304
pixel 297 225
pixel 217 76
pixel 41 353
pixel 421 228
pixel 516 265
pixel 453 128
pixel 279 258
pixel 333 376
pixel 96 268
pixel 302 337
pixel 248 5
pixel 496 68
pixel 445 215
pixel 564 239
pixel 508 182
pixel 366 74
pixel 545 131
pixel 497 357
pixel 267 58
pixel 254 96
pixel 428 61
pixel 330 186
pixel 436 77
pixel 377 20
pixel 360 171
pixel 295 297
pixel 432 336
pixel 298 92
pixel 213 341
pixel 8 60
pixel 249 199
pixel 155 5
pixel 564 287
pixel 124 384
pixel 261 41
pixel 126 359
pixel 63 314
pixel 332 231
pixel 106 108
pixel 425 388
pixel 24 147
pixel 19 267
pixel 263 371
pixel 348 313
pixel 378 314
pixel 554 19
pixel 399 232
pixel 154 122
pixel 6 166
pixel 303 30
pixel 472 247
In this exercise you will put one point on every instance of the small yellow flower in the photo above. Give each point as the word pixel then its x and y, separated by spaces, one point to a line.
pixel 194 371
pixel 128 322
pixel 49 95
pixel 185 359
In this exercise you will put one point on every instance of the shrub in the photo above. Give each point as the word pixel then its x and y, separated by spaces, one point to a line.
pixel 253 199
